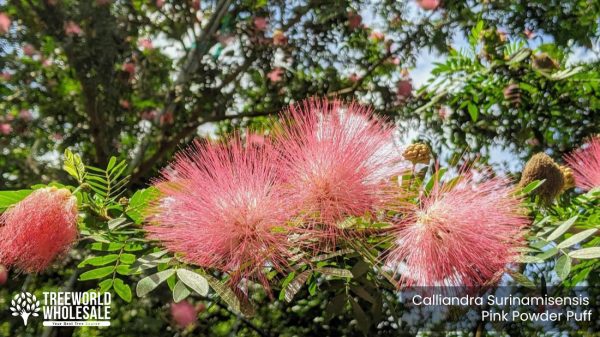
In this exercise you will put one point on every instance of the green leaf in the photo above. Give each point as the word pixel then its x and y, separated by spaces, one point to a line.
pixel 361 317
pixel 586 253
pixel 547 254
pixel 96 273
pixel 127 258
pixel 9 198
pixel 195 281
pixel 328 256
pixel 360 268
pixel 563 266
pixel 117 223
pixel 362 293
pixel 529 259
pixel 122 289
pixel 560 230
pixel 74 166
pixel 105 285
pixel 532 186
pixel 576 238
pixel 107 247
pixel 522 279
pixel 139 202
pixel 149 283
pixel 180 292
pixel 473 111
pixel 335 272
pixel 99 260
pixel 229 297
pixel 336 306
pixel 296 284
pixel 123 269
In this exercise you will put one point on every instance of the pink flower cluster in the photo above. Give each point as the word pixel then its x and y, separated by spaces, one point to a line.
pixel 37 229
pixel 231 205
pixel 244 206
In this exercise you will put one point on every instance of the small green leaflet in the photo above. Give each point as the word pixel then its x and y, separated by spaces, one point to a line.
pixel 563 266
pixel 586 253
pixel 122 289
pixel 193 280
pixel 149 283
pixel 577 238
pixel 9 198
pixel 560 230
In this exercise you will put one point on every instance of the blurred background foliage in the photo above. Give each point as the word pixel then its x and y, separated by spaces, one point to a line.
pixel 139 79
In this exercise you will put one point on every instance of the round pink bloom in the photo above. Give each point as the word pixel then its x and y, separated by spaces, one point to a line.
pixel 183 313
pixel 222 207
pixel 5 129
pixel 128 67
pixel 72 28
pixel 4 23
pixel 25 115
pixel 275 75
pixel 585 163
pixel 145 44
pixel 38 229
pixel 429 5
pixel 462 235
pixel 125 104
pixel 261 23
pixel 404 89
pixel 3 275
pixel 160 3
pixel 28 49
pixel 337 161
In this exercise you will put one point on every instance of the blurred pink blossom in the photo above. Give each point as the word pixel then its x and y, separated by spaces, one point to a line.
pixel 25 115
pixel 261 23
pixel 275 75
pixel 72 29
pixel 145 44
pixel 5 129
pixel 428 5
pixel 183 313
pixel 4 23
pixel 354 20
pixel 28 49
pixel 279 38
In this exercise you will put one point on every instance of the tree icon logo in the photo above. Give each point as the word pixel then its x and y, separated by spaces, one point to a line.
pixel 25 305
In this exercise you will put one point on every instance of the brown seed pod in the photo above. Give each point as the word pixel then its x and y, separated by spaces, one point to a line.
pixel 417 153
pixel 542 167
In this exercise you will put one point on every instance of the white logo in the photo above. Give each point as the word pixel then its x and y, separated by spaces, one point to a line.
pixel 25 305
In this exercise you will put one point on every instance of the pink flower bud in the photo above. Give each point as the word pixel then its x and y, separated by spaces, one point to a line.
pixel 73 29
pixel 183 314
pixel 4 23
pixel 275 75
pixel 429 5
pixel 28 49
pixel 404 88
pixel 354 20
pixel 5 129
pixel 261 23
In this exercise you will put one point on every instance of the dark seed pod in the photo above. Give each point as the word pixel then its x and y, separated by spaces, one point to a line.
pixel 542 167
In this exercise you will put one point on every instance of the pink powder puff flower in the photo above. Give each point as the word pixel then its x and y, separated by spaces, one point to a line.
pixel 184 314
pixel 337 160
pixel 275 75
pixel 125 104
pixel 72 29
pixel 585 163
pixel 37 229
pixel 459 235
pixel 429 5
pixel 6 76
pixel 160 3
pixel 222 207
pixel 4 23
pixel 5 129
pixel 261 23
pixel 128 67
